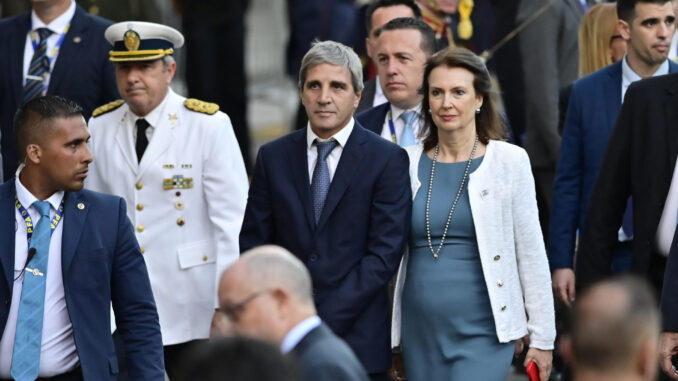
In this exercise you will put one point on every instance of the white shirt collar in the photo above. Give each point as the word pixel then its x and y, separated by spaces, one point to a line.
pixel 296 334
pixel 58 25
pixel 341 136
pixel 378 91
pixel 26 198
pixel 629 76
pixel 153 117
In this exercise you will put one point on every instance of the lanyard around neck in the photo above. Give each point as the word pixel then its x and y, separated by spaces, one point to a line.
pixel 29 222
pixel 55 50
pixel 391 126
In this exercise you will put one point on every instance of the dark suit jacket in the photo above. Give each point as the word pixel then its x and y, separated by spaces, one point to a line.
pixel 357 244
pixel 594 104
pixel 322 356
pixel 101 263
pixel 373 118
pixel 81 72
pixel 638 162
pixel 367 98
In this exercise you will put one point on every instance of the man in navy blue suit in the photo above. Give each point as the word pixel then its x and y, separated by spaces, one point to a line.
pixel 73 269
pixel 647 27
pixel 403 45
pixel 76 56
pixel 339 198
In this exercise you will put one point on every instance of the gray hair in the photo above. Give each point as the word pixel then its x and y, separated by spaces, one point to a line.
pixel 333 53
pixel 167 61
pixel 271 266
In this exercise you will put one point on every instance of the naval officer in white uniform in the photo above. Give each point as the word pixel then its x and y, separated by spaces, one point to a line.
pixel 177 163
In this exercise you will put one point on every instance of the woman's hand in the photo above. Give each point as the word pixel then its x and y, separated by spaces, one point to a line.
pixel 543 359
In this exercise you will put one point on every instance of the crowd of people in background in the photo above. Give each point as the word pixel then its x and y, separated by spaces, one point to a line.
pixel 469 186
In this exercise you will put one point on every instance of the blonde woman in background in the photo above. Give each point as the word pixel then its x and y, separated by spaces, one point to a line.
pixel 599 42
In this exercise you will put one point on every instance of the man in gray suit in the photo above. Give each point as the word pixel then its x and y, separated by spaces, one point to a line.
pixel 267 295
pixel 549 56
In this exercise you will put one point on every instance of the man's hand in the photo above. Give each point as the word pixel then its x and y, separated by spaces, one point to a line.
pixel 668 347
pixel 543 359
pixel 563 285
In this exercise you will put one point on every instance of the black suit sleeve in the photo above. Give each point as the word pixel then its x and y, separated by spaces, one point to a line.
pixel 135 313
pixel 669 300
pixel 608 200
pixel 257 227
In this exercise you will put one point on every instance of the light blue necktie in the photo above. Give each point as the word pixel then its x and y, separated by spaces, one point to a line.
pixel 39 66
pixel 320 184
pixel 407 137
pixel 28 339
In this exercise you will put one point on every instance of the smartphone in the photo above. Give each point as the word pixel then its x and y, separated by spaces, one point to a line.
pixel 532 371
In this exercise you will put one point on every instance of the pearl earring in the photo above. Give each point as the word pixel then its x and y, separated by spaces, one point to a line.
pixel 478 110
pixel 429 111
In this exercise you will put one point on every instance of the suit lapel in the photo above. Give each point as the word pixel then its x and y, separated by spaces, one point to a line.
pixel 75 214
pixel 17 43
pixel 125 141
pixel 163 136
pixel 612 92
pixel 350 160
pixel 69 51
pixel 672 117
pixel 7 232
pixel 299 164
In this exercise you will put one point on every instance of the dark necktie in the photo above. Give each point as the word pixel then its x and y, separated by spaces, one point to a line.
pixel 320 184
pixel 142 140
pixel 38 69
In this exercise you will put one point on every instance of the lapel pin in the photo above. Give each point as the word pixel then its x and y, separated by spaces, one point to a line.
pixel 77 39
pixel 81 206
pixel 484 193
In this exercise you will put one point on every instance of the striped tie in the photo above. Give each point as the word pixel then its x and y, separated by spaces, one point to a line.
pixel 39 68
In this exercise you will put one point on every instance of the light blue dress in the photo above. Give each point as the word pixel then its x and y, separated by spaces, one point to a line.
pixel 448 330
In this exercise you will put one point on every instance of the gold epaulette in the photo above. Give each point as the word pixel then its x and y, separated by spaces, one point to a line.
pixel 108 107
pixel 201 106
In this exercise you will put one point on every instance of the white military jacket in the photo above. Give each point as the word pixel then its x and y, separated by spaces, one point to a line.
pixel 186 200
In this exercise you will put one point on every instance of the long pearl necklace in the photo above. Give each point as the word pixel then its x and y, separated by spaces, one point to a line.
pixel 454 204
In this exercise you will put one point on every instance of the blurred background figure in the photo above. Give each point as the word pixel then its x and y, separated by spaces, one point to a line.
pixel 56 49
pixel 614 332
pixel 215 59
pixel 237 359
pixel 600 43
pixel 377 14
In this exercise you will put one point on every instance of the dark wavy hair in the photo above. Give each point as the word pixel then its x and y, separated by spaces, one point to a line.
pixel 489 124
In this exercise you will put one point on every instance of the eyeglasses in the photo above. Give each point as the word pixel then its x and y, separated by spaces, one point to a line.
pixel 234 310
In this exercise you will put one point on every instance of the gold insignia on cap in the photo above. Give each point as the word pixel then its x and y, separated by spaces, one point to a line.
pixel 132 40
pixel 77 39
pixel 110 106
pixel 81 206
pixel 201 106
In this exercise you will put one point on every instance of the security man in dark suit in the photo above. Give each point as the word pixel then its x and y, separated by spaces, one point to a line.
pixel 56 49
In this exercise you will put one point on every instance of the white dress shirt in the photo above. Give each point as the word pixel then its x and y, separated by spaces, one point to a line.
pixel 58 353
pixel 399 124
pixel 667 223
pixel 58 27
pixel 629 76
pixel 296 334
pixel 379 97
pixel 153 119
pixel 333 158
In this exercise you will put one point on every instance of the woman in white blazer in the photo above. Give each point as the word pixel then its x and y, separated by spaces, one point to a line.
pixel 475 277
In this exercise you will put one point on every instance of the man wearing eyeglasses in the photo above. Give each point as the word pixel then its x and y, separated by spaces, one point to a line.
pixel 647 27
pixel 267 295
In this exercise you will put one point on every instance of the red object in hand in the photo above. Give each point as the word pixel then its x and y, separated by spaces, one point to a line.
pixel 532 371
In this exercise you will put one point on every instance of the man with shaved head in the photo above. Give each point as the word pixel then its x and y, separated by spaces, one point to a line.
pixel 615 332
pixel 267 295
